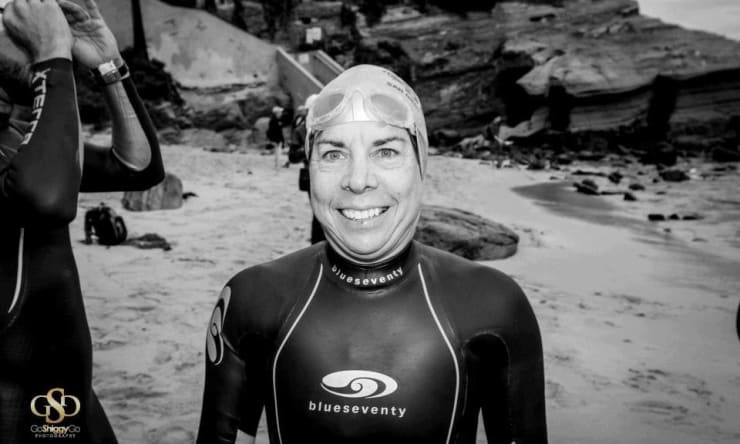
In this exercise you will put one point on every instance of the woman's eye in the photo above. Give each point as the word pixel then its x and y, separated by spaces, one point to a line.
pixel 386 153
pixel 332 155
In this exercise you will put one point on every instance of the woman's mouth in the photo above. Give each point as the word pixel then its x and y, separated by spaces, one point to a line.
pixel 362 215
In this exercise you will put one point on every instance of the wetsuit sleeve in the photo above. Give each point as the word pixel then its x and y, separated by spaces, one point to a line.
pixel 39 184
pixel 233 396
pixel 116 168
pixel 514 395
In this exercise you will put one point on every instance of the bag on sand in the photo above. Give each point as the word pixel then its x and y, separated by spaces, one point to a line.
pixel 107 226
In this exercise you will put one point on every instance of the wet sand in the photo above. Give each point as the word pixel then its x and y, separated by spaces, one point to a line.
pixel 638 325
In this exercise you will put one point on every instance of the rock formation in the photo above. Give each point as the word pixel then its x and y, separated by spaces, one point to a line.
pixel 586 66
pixel 165 196
pixel 465 234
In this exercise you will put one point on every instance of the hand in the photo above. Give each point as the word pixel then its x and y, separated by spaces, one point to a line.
pixel 94 42
pixel 40 27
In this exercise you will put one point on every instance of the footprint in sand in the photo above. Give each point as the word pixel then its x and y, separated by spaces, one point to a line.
pixel 673 413
pixel 639 307
pixel 675 398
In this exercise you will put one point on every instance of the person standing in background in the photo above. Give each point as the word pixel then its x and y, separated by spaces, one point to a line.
pixel 275 132
pixel 298 149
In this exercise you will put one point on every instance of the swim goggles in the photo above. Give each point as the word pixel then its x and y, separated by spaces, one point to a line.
pixel 336 107
pixel 367 93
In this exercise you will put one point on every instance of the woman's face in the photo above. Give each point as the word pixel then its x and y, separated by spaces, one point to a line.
pixel 366 189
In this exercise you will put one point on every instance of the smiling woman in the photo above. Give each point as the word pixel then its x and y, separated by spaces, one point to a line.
pixel 371 336
pixel 366 189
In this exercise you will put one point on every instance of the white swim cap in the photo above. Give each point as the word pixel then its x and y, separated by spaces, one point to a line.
pixel 368 93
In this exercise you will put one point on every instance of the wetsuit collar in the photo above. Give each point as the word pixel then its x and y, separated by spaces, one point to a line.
pixel 376 276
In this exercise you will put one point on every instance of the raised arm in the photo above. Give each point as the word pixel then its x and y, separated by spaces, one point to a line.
pixel 40 172
pixel 232 398
pixel 514 394
pixel 134 161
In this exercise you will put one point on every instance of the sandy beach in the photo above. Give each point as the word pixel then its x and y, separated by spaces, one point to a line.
pixel 638 323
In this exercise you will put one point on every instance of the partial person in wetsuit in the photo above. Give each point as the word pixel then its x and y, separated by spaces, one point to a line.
pixel 45 345
pixel 372 337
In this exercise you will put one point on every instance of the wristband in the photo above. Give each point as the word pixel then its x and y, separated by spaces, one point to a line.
pixel 108 73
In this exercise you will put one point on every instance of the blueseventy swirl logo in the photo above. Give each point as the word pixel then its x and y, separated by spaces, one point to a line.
pixel 359 384
pixel 215 340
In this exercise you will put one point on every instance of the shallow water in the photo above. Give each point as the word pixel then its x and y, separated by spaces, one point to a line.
pixel 561 198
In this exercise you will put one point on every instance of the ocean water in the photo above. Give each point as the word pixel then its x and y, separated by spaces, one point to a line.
pixel 717 16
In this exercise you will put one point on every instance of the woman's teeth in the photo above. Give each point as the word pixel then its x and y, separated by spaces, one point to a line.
pixel 362 214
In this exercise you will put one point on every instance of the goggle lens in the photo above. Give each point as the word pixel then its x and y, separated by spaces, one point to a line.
pixel 391 110
pixel 324 106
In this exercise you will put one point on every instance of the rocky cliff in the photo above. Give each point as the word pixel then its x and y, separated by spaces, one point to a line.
pixel 588 65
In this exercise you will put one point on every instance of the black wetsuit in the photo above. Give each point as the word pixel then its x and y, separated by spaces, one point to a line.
pixel 44 337
pixel 409 352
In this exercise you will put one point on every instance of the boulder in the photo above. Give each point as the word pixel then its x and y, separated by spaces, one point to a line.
pixel 538 163
pixel 692 216
pixel 465 234
pixel 564 159
pixel 167 195
pixel 615 177
pixel 674 175
pixel 220 117
pixel 258 102
pixel 587 186
pixel 470 146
